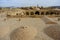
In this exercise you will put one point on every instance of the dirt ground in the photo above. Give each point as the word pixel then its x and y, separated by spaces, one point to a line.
pixel 7 25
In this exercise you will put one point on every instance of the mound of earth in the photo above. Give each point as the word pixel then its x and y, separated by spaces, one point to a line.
pixel 23 33
pixel 53 31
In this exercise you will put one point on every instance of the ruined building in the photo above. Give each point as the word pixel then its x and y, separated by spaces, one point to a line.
pixel 31 11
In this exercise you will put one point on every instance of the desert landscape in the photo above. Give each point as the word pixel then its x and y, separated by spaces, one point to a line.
pixel 38 26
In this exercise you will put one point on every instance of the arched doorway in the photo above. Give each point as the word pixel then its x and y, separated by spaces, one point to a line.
pixel 27 13
pixel 47 13
pixel 37 13
pixel 51 13
pixel 32 13
pixel 57 13
pixel 16 13
pixel 42 13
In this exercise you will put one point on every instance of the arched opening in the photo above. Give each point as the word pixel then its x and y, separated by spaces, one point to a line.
pixel 37 13
pixel 16 13
pixel 47 13
pixel 42 13
pixel 27 13
pixel 57 14
pixel 32 13
pixel 52 13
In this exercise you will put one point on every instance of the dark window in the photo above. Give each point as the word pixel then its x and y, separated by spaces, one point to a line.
pixel 37 12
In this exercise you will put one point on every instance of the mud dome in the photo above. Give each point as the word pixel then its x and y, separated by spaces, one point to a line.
pixel 23 33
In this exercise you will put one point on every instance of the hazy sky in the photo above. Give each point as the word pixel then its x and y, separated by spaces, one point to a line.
pixel 17 3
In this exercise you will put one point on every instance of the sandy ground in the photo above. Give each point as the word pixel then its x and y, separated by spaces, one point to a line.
pixel 8 25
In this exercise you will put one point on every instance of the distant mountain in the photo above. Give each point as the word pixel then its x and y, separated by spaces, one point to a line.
pixel 54 7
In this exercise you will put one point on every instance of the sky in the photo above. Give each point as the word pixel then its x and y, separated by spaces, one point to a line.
pixel 22 3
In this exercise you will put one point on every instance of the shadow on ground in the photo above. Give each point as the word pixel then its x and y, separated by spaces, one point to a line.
pixel 53 32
